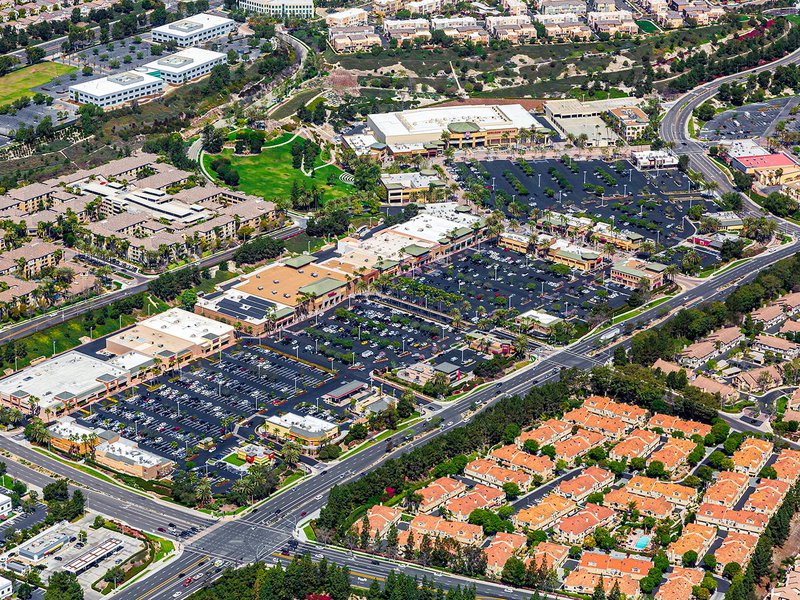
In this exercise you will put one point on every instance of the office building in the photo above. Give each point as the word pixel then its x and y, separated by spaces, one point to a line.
pixel 186 65
pixel 118 89
pixel 194 30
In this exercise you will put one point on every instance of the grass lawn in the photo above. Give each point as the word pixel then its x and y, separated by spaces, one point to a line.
pixel 234 460
pixel 647 26
pixel 292 479
pixel 166 546
pixel 781 405
pixel 299 243
pixel 207 285
pixel 270 174
pixel 309 531
pixel 579 94
pixel 293 104
pixel 19 83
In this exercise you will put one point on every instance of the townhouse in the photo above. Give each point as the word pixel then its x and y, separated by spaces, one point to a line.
pixel 780 347
pixel 726 393
pixel 551 554
pixel 622 498
pixel 673 454
pixel 606 407
pixel 380 518
pixel 760 379
pixel 694 538
pixel 751 456
pixel 613 22
pixel 544 515
pixel 727 489
pixel 612 428
pixel 582 581
pixel 767 497
pixel 515 7
pixel 769 315
pixel 735 548
pixel 407 29
pixel 616 566
pixel 515 459
pixel 515 28
pixel 680 584
pixel 742 521
pixel 680 495
pixel 436 527
pixel 790 303
pixel 669 424
pixel 548 433
pixel 492 474
pixel 438 492
pixel 574 529
pixel 638 443
pixel 480 496
pixel 711 346
pixel 577 445
pixel 502 547
pixel 787 465
pixel 590 480
pixel 29 260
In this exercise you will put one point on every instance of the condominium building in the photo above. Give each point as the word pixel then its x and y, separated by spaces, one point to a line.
pixel 347 18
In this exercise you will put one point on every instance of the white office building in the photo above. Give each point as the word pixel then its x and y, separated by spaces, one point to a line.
pixel 118 89
pixel 186 65
pixel 6 588
pixel 194 31
pixel 280 9
pixel 5 510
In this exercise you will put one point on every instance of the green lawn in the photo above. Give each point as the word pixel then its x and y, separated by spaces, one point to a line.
pixel 208 285
pixel 293 104
pixel 300 243
pixel 19 83
pixel 647 26
pixel 234 460
pixel 270 174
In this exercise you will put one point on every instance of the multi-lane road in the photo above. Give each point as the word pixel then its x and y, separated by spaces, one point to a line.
pixel 262 534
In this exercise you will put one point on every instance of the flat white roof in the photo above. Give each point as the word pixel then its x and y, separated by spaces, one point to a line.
pixel 71 373
pixel 128 451
pixel 192 25
pixel 105 86
pixel 540 317
pixel 433 121
pixel 302 422
pixel 187 325
pixel 435 222
pixel 186 59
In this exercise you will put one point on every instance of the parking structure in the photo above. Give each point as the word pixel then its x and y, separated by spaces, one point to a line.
pixel 653 204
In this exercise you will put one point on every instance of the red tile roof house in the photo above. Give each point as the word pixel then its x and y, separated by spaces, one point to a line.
pixel 613 428
pixel 518 460
pixel 787 466
pixel 777 345
pixel 769 315
pixel 579 444
pixel 381 518
pixel 581 581
pixel 573 530
pixel 751 456
pixel 727 489
pixel 553 555
pixel 616 566
pixel 549 432
pixel 480 496
pixel 638 443
pixel 658 508
pixel 588 481
pixel 502 547
pixel 438 492
pixel 606 407
pixel 736 547
pixel 679 584
pixel 675 493
pixel 436 527
pixel 668 423
pixel 767 497
pixel 673 454
pixel 694 537
pixel 742 521
pixel 490 473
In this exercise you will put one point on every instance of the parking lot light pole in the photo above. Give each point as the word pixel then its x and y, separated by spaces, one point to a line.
pixel 540 180
pixel 584 178
pixel 495 272
pixel 509 300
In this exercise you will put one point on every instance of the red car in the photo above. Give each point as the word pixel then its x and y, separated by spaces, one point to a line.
pixel 187 581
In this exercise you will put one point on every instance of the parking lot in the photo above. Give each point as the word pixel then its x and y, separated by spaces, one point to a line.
pixel 749 121
pixel 184 415
pixel 651 203
pixel 479 283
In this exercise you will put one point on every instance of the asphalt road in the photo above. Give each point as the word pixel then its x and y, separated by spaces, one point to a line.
pixel 675 128
pixel 260 534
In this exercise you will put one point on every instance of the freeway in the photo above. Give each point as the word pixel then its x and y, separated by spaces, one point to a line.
pixel 675 129
pixel 262 533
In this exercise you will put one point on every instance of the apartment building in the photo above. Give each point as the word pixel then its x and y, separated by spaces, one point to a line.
pixel 578 445
pixel 492 474
pixel 544 515
pixel 769 315
pixel 735 548
pixel 752 456
pixel 614 429
pixel 515 28
pixel 606 407
pixel 502 547
pixel 767 497
pixel 787 465
pixel 741 521
pixel 515 7
pixel 613 23
pixel 355 38
pixel 436 527
pixel 675 493
pixel 760 379
pixel 574 529
pixel 427 7
pixel 616 566
pixel 280 9
pixel 548 433
pixel 438 492
pixel 588 481
pixel 552 555
pixel 669 423
pixel 515 459
pixel 561 7
pixel 347 18
pixel 673 454
pixel 680 584
pixel 727 489
pixel 407 29
pixel 480 496
pixel 381 518
pixel 638 443
pixel 782 348
pixel 694 538
pixel 621 499
pixel 582 581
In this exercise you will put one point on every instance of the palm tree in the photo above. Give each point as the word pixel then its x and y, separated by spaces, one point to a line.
pixel 455 315
pixel 37 432
pixel 203 492
pixel 291 453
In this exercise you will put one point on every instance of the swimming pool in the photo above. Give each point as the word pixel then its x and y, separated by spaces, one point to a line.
pixel 642 542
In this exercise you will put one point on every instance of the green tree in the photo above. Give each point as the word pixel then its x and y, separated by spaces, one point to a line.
pixel 511 490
